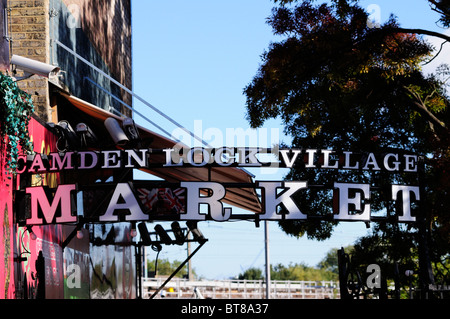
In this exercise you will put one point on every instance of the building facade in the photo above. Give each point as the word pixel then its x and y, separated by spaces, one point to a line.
pixel 69 232
pixel 62 33
pixel 90 42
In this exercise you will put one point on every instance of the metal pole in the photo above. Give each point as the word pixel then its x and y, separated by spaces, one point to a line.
pixel 189 270
pixel 145 262
pixel 266 244
pixel 426 276
pixel 178 269
pixel 138 256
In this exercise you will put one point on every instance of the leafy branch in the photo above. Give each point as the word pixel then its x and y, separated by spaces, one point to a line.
pixel 16 107
pixel 421 106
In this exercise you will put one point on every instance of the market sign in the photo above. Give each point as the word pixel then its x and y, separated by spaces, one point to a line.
pixel 218 157
pixel 149 200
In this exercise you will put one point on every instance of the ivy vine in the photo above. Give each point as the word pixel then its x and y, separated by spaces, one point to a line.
pixel 16 107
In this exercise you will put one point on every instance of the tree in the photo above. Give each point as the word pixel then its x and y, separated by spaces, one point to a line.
pixel 251 274
pixel 393 251
pixel 443 8
pixel 166 267
pixel 440 6
pixel 330 261
pixel 337 83
pixel 293 272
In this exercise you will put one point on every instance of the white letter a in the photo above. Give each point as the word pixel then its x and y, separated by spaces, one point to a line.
pixel 123 190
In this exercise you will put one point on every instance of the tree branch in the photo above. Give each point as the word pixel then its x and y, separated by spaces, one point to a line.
pixel 422 109
pixel 439 8
pixel 418 31
pixel 420 106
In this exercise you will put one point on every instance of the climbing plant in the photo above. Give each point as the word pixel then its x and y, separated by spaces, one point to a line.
pixel 16 107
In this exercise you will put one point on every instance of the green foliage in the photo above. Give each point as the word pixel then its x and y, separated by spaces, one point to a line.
pixel 301 272
pixel 251 274
pixel 386 245
pixel 16 108
pixel 292 272
pixel 335 76
pixel 391 245
pixel 330 261
pixel 166 268
pixel 338 84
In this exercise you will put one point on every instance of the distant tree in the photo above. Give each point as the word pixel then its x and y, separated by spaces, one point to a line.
pixel 165 267
pixel 251 274
pixel 330 261
pixel 293 272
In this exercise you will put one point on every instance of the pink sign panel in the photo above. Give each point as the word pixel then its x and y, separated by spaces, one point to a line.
pixel 25 254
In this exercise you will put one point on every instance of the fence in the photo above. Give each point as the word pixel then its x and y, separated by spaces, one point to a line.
pixel 240 289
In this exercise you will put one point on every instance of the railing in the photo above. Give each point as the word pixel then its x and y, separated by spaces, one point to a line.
pixel 240 289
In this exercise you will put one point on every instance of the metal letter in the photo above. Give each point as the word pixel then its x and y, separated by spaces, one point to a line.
pixel 272 200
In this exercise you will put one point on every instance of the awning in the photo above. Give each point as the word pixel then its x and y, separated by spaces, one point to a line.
pixel 245 198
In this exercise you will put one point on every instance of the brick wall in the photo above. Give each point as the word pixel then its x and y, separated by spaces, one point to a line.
pixel 102 36
pixel 30 38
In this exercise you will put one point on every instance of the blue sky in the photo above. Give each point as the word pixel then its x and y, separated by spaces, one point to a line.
pixel 192 60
